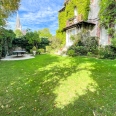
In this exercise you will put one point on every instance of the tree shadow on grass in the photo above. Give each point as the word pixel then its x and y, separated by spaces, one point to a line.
pixel 100 101
pixel 65 87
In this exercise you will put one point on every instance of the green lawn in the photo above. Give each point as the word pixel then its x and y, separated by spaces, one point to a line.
pixel 58 86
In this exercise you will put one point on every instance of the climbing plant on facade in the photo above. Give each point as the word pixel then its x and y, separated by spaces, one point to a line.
pixel 68 12
pixel 6 38
pixel 108 15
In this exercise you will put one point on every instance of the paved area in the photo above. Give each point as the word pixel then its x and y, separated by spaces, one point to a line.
pixel 15 57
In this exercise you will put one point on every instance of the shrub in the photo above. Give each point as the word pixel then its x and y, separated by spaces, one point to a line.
pixel 89 54
pixel 71 52
pixel 91 44
pixel 3 52
pixel 84 43
pixel 55 43
pixel 113 41
pixel 34 48
pixel 40 51
pixel 48 49
pixel 106 52
pixel 31 51
pixel 81 50
pixel 73 47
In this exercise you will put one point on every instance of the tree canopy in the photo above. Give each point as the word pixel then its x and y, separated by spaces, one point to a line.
pixel 45 33
pixel 33 38
pixel 18 33
pixel 7 7
pixel 6 37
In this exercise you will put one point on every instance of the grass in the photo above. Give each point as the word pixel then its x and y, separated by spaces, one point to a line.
pixel 58 86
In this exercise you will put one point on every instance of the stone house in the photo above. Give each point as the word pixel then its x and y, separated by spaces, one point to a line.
pixel 76 23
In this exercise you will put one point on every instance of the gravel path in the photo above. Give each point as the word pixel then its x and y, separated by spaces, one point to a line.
pixel 14 57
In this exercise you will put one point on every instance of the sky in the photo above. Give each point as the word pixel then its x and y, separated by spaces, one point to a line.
pixel 37 14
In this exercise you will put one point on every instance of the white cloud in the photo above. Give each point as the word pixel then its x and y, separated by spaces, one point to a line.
pixel 37 14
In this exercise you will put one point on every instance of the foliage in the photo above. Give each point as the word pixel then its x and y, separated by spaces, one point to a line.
pixel 48 49
pixel 1 44
pixel 33 38
pixel 21 42
pixel 107 52
pixel 49 85
pixel 68 12
pixel 113 41
pixel 44 33
pixel 91 43
pixel 61 36
pixel 81 50
pixel 55 43
pixel 90 54
pixel 18 33
pixel 84 43
pixel 6 38
pixel 34 48
pixel 82 8
pixel 38 51
pixel 31 51
pixel 107 15
pixel 41 51
pixel 24 43
pixel 71 52
pixel 81 37
pixel 7 7
pixel 44 42
pixel 78 50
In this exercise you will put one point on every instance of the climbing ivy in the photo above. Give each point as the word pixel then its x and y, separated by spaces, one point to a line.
pixel 82 8
pixel 6 37
pixel 107 15
pixel 68 12
pixel 62 23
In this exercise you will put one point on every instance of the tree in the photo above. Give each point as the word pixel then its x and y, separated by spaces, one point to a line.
pixel 18 33
pixel 6 38
pixel 45 33
pixel 44 42
pixel 7 7
pixel 33 38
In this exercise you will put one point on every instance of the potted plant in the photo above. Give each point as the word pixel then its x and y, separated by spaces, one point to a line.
pixel 34 50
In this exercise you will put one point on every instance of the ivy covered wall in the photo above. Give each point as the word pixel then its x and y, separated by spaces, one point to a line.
pixel 62 23
pixel 107 15
pixel 82 8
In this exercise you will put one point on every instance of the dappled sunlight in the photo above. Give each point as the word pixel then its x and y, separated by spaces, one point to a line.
pixel 58 86
pixel 73 87
pixel 86 66
pixel 69 79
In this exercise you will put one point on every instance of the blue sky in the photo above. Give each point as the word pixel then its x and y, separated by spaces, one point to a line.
pixel 38 14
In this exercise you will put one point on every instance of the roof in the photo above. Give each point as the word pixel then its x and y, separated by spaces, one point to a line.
pixel 63 8
pixel 78 23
